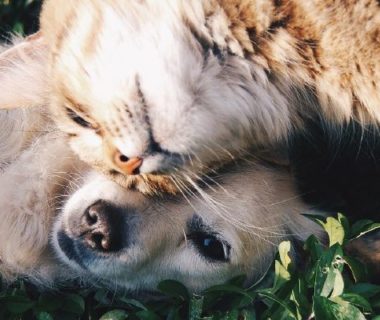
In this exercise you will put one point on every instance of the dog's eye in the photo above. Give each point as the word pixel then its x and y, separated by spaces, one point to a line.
pixel 210 246
pixel 78 119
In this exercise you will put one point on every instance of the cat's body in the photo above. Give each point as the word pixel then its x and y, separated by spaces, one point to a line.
pixel 180 87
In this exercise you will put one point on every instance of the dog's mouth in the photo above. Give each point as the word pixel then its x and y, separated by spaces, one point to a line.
pixel 72 250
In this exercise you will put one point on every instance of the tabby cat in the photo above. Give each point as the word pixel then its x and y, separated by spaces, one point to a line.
pixel 166 91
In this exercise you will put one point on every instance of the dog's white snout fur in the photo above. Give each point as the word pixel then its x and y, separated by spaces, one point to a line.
pixel 254 211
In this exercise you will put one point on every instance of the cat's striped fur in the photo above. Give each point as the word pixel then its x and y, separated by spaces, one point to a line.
pixel 185 85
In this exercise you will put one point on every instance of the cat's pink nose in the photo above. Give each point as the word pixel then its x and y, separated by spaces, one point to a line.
pixel 127 165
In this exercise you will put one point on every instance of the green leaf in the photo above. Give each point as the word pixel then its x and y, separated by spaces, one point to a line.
pixel 49 303
pixel 174 313
pixel 359 226
pixel 281 276
pixel 325 309
pixel 338 284
pixel 73 303
pixel 282 267
pixel 328 269
pixel 358 270
pixel 18 28
pixel 375 302
pixel 299 296
pixel 248 315
pixel 114 315
pixel 226 288
pixel 266 294
pixel 44 316
pixel 314 247
pixel 369 228
pixel 328 284
pixel 231 315
pixel 238 280
pixel 147 315
pixel 334 230
pixel 284 250
pixel 101 297
pixel 18 304
pixel 345 224
pixel 366 290
pixel 195 308
pixel 357 300
pixel 174 289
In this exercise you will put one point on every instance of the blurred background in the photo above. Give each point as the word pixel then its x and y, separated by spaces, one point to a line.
pixel 18 17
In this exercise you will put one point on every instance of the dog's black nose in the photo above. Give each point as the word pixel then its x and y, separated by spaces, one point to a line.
pixel 102 227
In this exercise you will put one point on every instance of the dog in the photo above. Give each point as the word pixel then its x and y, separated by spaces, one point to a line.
pixel 62 221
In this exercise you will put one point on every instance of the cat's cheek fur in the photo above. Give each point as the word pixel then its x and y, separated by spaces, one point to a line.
pixel 89 146
pixel 201 108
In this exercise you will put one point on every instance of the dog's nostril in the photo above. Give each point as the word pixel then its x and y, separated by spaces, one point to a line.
pixel 98 241
pixel 102 227
pixel 91 216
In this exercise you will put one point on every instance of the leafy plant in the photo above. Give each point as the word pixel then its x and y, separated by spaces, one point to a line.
pixel 329 286
pixel 18 16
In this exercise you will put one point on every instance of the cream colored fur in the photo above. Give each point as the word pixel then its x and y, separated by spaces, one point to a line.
pixel 187 85
pixel 36 165
pixel 23 73
pixel 252 207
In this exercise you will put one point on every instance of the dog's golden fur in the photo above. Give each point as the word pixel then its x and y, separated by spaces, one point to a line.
pixel 34 168
pixel 253 207
pixel 232 75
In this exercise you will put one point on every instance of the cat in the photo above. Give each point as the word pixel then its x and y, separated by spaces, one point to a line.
pixel 157 94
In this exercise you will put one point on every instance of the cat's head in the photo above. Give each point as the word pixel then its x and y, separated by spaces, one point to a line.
pixel 155 87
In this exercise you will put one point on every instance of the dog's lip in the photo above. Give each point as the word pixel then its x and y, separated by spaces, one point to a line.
pixel 69 248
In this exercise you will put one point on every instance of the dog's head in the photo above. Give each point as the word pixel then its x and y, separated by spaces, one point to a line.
pixel 123 238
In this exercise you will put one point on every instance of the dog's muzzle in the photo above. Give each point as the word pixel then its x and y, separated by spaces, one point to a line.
pixel 103 230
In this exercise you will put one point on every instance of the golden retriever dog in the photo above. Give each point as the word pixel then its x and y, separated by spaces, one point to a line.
pixel 61 220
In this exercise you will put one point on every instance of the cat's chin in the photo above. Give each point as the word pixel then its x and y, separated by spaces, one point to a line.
pixel 151 184
pixel 184 180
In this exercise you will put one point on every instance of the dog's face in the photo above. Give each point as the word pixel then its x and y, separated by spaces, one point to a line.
pixel 128 240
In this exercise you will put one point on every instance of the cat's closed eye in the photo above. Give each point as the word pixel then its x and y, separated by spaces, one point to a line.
pixel 74 116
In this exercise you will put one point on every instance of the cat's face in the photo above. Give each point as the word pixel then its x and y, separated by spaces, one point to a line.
pixel 154 87
pixel 157 91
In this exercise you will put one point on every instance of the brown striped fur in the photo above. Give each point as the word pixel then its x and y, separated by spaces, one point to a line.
pixel 188 85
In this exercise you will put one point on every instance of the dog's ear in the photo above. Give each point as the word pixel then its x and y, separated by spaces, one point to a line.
pixel 23 74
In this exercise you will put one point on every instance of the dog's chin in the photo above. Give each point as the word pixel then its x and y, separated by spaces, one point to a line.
pixel 69 250
pixel 84 265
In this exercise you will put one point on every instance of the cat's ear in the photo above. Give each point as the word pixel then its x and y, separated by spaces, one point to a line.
pixel 23 74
